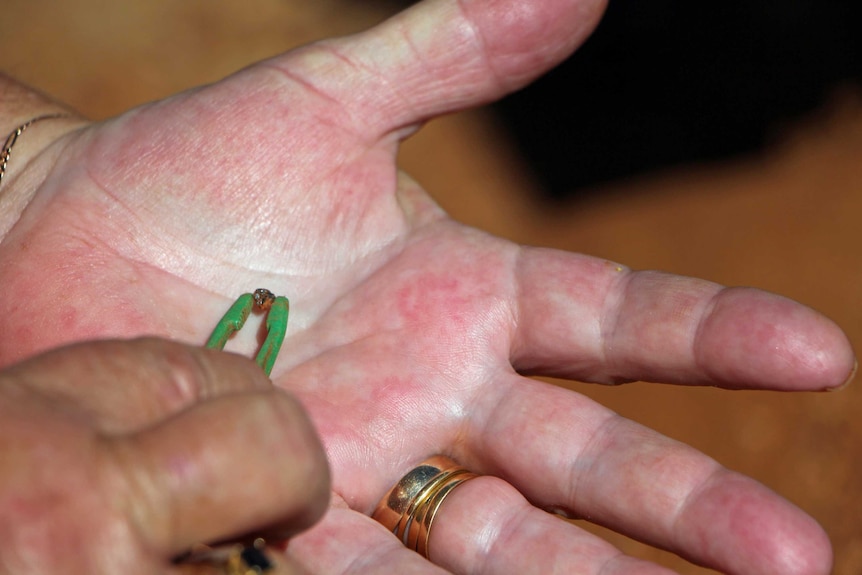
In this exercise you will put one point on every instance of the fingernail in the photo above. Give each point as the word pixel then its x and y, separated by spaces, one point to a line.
pixel 849 379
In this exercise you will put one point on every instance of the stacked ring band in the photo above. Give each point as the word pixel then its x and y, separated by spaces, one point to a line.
pixel 408 509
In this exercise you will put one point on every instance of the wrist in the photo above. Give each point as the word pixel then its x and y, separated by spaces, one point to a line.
pixel 19 103
pixel 29 123
pixel 12 139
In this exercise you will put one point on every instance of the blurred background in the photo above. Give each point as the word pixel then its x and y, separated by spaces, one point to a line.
pixel 723 143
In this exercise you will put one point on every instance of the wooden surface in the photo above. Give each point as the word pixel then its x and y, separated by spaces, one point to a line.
pixel 786 220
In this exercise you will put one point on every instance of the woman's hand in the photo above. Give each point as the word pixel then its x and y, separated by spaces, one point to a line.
pixel 411 334
pixel 117 456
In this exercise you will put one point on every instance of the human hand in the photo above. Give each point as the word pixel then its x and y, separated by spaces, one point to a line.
pixel 117 456
pixel 410 333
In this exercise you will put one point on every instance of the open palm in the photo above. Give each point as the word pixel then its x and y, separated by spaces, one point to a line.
pixel 409 332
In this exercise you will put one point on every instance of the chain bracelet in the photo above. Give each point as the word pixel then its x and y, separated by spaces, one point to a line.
pixel 13 137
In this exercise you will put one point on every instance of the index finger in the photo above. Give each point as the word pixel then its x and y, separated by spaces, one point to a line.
pixel 125 385
pixel 594 320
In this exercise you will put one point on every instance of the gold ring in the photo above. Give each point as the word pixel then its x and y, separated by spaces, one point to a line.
pixel 409 508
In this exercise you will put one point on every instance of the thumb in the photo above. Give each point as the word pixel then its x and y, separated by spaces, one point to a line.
pixel 441 56
pixel 231 466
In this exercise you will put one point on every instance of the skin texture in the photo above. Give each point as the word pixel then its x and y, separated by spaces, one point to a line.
pixel 411 334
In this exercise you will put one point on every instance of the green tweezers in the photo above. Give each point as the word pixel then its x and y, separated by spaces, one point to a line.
pixel 277 310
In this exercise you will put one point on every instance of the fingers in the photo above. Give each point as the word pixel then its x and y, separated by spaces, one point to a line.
pixel 248 462
pixel 619 474
pixel 486 526
pixel 123 385
pixel 591 319
pixel 207 468
pixel 445 55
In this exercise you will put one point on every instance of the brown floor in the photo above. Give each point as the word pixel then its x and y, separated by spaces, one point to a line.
pixel 784 221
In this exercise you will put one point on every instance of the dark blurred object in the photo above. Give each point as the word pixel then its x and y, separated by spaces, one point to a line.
pixel 669 82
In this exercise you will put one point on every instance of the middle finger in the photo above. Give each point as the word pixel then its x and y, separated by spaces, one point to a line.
pixel 629 478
